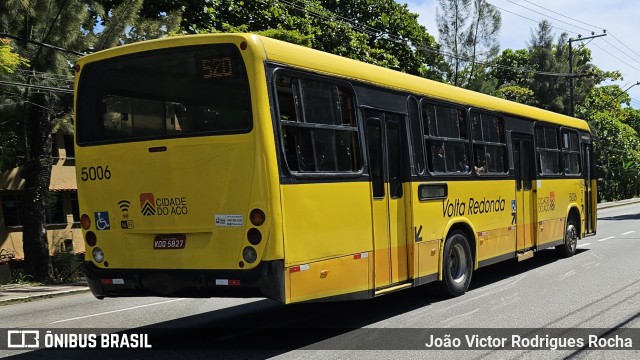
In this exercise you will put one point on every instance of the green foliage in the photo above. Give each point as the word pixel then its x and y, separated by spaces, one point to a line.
pixel 548 90
pixel 19 277
pixel 505 64
pixel 617 141
pixel 9 60
pixel 380 32
pixel 66 266
pixel 517 93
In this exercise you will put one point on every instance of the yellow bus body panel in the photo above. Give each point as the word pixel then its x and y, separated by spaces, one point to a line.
pixel 190 169
pixel 327 278
pixel 325 220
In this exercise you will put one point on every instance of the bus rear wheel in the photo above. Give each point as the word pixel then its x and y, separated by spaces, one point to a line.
pixel 568 248
pixel 457 265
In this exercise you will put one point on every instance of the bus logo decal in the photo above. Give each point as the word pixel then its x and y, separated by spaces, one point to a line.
pixel 147 201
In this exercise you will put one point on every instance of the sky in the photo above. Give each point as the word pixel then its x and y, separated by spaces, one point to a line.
pixel 619 50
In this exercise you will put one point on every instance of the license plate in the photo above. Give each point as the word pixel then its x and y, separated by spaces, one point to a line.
pixel 173 241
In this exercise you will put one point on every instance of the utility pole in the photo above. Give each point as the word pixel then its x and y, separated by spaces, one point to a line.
pixel 571 76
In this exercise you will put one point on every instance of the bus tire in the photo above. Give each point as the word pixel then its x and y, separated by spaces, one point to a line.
pixel 568 248
pixel 457 265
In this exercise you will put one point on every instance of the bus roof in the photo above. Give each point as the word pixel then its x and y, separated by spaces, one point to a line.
pixel 323 62
pixel 334 65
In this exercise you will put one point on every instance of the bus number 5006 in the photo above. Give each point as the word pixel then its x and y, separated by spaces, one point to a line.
pixel 95 173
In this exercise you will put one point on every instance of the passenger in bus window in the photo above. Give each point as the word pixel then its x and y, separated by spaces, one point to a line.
pixel 485 164
pixel 462 124
pixel 463 165
pixel 438 158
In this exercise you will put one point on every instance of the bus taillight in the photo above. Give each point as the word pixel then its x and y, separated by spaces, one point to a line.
pixel 85 221
pixel 257 217
pixel 254 236
pixel 90 238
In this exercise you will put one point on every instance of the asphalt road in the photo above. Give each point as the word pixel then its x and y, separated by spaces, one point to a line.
pixel 596 290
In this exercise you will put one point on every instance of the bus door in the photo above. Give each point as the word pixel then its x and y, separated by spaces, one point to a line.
pixel 524 212
pixel 388 210
pixel 590 200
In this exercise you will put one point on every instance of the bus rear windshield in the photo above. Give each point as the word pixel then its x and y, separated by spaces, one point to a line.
pixel 188 91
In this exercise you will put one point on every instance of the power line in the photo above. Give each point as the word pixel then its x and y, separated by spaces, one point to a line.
pixel 44 75
pixel 623 44
pixel 535 21
pixel 617 58
pixel 582 22
pixel 627 55
pixel 605 40
pixel 557 13
pixel 39 87
pixel 3 35
pixel 595 26
pixel 551 17
pixel 390 37
pixel 622 52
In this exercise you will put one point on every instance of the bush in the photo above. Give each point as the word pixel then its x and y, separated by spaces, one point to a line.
pixel 66 266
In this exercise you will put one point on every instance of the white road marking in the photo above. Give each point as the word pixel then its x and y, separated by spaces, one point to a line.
pixel 566 275
pixel 607 238
pixel 628 232
pixel 115 311
pixel 585 244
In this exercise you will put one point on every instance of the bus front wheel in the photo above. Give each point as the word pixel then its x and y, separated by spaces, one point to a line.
pixel 568 248
pixel 457 265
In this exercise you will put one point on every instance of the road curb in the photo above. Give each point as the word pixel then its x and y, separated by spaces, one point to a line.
pixel 611 204
pixel 35 297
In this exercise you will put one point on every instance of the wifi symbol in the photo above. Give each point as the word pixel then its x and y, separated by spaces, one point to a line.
pixel 124 205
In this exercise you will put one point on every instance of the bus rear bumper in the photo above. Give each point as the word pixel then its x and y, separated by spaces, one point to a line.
pixel 266 280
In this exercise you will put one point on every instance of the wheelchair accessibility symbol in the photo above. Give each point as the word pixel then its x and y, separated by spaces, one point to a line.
pixel 102 220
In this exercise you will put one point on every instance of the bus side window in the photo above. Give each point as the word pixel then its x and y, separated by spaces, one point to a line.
pixel 570 152
pixel 290 149
pixel 548 150
pixel 437 156
pixel 287 98
pixel 318 125
pixel 489 145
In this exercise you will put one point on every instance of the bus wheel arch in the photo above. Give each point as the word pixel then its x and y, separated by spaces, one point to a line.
pixel 458 260
pixel 571 234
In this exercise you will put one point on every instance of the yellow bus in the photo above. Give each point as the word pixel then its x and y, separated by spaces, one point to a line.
pixel 235 165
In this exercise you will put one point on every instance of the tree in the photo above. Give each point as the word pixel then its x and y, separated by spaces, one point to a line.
pixel 510 68
pixel 519 94
pixel 9 62
pixel 117 22
pixel 618 142
pixel 469 34
pixel 482 41
pixel 68 25
pixel 390 30
pixel 541 55
pixel 452 17
pixel 551 61
pixel 380 32
pixel 59 23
